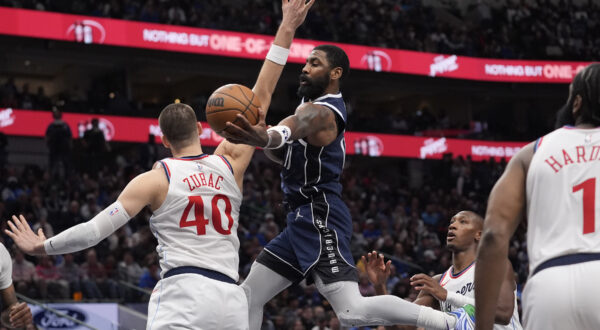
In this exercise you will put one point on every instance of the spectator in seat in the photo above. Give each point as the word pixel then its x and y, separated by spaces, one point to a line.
pixel 24 275
pixel 99 286
pixel 70 272
pixel 151 275
pixel 50 283
pixel 95 147
pixel 59 142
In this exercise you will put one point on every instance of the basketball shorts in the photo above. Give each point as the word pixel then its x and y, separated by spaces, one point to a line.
pixel 316 241
pixel 192 301
pixel 563 297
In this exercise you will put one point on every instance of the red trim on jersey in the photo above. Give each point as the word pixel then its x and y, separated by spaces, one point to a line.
pixel 167 171
pixel 191 158
pixel 461 272
pixel 226 163
pixel 442 279
pixel 537 144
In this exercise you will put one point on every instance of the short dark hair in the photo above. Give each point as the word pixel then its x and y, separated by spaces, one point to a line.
pixel 337 58
pixel 587 84
pixel 177 122
pixel 56 114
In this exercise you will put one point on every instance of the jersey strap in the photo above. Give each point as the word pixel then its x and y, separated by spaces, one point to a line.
pixel 166 169
pixel 538 143
pixel 226 163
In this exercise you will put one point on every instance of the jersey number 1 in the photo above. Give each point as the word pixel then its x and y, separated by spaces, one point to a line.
pixel 200 222
pixel 589 204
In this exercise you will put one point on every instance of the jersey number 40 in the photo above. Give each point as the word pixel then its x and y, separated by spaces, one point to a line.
pixel 200 222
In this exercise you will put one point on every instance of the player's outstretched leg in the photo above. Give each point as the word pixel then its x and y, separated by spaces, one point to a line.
pixel 353 309
pixel 261 285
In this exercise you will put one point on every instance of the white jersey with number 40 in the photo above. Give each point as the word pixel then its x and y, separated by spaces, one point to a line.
pixel 563 195
pixel 197 223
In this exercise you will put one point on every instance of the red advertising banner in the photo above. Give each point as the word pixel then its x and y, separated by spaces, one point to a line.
pixel 46 25
pixel 130 129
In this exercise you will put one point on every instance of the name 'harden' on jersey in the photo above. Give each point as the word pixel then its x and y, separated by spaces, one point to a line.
pixel 197 223
pixel 562 195
pixel 308 169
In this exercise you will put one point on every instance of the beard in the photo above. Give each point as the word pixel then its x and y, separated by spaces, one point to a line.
pixel 314 87
pixel 564 116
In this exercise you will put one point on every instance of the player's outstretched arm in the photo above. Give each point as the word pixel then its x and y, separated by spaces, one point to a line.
pixel 316 123
pixel 294 12
pixel 293 15
pixel 143 190
pixel 505 206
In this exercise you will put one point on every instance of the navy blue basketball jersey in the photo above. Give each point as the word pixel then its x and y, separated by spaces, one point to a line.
pixel 310 170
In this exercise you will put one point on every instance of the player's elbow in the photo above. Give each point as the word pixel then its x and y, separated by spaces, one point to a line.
pixel 503 315
pixel 493 237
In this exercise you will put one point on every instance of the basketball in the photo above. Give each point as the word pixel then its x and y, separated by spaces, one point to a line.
pixel 226 102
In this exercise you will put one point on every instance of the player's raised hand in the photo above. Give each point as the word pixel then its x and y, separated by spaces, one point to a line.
pixel 294 12
pixel 377 269
pixel 422 282
pixel 244 133
pixel 28 241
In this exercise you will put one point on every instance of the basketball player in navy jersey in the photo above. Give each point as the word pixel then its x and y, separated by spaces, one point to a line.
pixel 316 242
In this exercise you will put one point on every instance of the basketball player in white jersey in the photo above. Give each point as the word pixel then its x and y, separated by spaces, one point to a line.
pixel 14 314
pixel 555 181
pixel 195 200
pixel 454 288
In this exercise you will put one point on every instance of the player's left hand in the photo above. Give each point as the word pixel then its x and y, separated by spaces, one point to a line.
pixel 422 282
pixel 24 237
pixel 294 12
pixel 245 133
pixel 377 269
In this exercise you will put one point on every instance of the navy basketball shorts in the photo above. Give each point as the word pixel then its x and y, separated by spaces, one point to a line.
pixel 316 241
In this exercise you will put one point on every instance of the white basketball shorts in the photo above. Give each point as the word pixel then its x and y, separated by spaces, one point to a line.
pixel 563 297
pixel 192 301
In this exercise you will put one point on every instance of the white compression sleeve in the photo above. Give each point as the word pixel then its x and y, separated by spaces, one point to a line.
pixel 354 310
pixel 90 233
pixel 458 300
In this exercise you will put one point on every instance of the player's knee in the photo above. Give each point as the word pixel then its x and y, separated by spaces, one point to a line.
pixel 351 315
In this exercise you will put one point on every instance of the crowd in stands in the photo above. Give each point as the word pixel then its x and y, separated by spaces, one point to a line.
pixel 392 214
pixel 536 29
pixel 488 124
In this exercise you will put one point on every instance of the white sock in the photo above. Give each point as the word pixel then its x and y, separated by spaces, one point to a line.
pixel 431 319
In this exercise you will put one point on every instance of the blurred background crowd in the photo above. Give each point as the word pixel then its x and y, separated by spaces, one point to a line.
pixel 502 29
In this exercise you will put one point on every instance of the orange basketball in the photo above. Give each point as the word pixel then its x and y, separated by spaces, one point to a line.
pixel 226 102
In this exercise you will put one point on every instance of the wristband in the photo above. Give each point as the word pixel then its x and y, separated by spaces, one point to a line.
pixel 284 132
pixel 278 54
